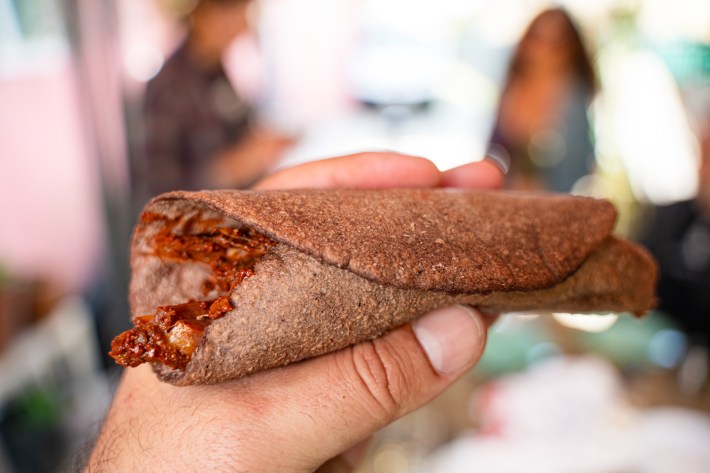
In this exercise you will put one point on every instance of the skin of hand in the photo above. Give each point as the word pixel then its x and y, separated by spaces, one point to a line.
pixel 249 159
pixel 317 414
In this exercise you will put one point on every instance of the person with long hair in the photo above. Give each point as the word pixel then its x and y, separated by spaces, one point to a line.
pixel 542 131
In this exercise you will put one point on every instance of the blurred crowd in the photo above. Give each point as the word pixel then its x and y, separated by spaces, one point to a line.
pixel 238 88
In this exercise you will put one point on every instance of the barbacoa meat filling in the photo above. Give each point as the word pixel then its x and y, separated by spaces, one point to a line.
pixel 172 334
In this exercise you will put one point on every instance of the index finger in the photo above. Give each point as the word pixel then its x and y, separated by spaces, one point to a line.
pixel 362 170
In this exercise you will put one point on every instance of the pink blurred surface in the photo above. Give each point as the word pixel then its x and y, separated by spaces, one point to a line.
pixel 49 197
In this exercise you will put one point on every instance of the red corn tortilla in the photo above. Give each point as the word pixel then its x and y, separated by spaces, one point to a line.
pixel 350 265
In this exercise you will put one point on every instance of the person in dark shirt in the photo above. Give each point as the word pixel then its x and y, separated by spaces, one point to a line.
pixel 679 237
pixel 200 133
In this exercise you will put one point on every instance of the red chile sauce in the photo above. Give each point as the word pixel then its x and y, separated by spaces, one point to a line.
pixel 171 335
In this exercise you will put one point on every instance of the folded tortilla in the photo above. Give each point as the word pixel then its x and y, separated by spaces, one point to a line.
pixel 348 265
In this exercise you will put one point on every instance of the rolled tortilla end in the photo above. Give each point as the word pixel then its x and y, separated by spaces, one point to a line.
pixel 346 266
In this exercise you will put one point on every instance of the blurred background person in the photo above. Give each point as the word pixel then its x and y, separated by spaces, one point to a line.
pixel 542 128
pixel 678 235
pixel 199 132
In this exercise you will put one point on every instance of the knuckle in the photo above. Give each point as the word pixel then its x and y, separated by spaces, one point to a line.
pixel 384 376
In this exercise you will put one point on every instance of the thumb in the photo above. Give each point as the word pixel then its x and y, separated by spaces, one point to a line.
pixel 332 402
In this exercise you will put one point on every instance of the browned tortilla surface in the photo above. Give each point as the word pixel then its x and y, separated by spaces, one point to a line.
pixel 352 264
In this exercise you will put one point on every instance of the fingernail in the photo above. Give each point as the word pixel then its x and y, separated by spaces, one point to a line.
pixel 499 157
pixel 452 338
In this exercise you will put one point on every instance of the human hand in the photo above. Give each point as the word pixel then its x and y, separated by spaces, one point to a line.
pixel 307 415
pixel 249 159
